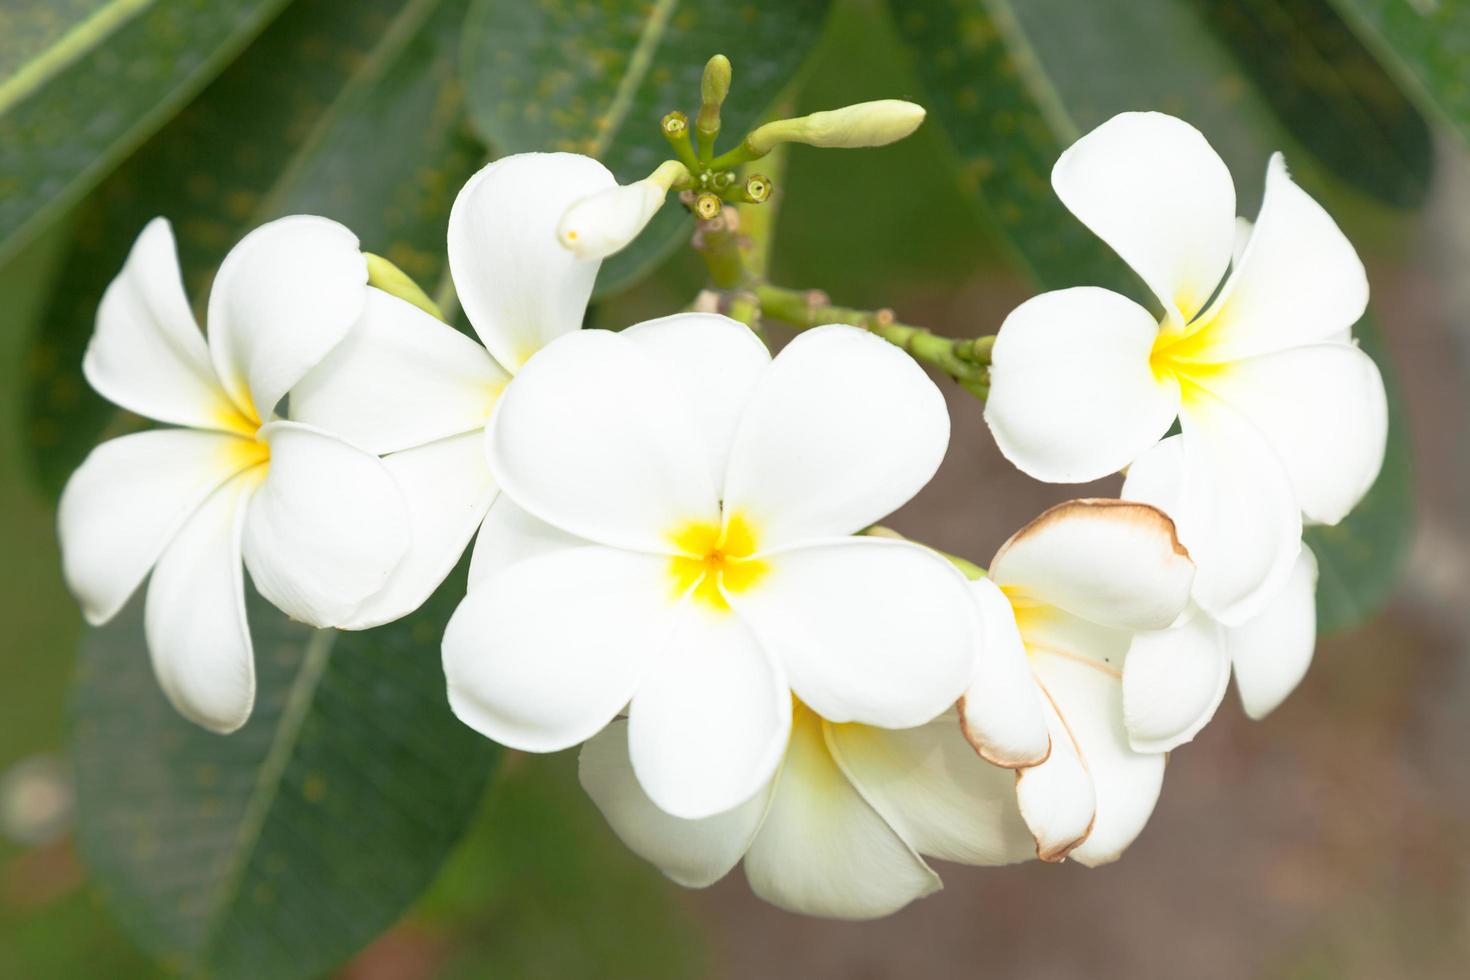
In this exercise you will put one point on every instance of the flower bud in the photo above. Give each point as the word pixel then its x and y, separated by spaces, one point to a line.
pixel 865 124
pixel 606 222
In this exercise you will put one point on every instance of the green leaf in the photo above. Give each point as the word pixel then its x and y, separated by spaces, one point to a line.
pixel 87 82
pixel 1330 92
pixel 1422 43
pixel 1014 84
pixel 297 124
pixel 280 850
pixel 597 78
pixel 1360 559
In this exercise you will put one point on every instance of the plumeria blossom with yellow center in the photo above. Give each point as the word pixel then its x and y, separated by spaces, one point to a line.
pixel 1068 603
pixel 415 389
pixel 677 542
pixel 842 828
pixel 1282 416
pixel 318 521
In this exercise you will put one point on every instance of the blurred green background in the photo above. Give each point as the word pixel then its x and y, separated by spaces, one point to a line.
pixel 1332 840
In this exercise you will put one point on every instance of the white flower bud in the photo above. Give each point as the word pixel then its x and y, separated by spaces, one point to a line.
pixel 606 222
pixel 865 124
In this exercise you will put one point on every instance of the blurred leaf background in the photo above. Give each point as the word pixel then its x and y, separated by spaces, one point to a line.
pixel 220 115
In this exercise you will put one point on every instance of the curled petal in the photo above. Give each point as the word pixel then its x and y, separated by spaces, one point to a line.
pixel 1072 395
pixel 1056 797
pixel 1173 680
pixel 1000 714
pixel 607 221
pixel 1271 653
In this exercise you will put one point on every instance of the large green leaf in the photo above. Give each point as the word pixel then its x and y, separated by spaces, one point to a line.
pixel 1425 44
pixel 86 82
pixel 1330 92
pixel 1014 84
pixel 597 78
pixel 280 850
pixel 299 123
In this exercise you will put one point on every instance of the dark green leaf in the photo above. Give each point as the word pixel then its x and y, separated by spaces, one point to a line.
pixel 280 850
pixel 597 78
pixel 1360 559
pixel 1330 92
pixel 1425 44
pixel 1014 84
pixel 299 123
pixel 88 82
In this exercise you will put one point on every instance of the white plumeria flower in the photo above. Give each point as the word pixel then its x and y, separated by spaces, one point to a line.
pixel 840 829
pixel 1281 414
pixel 319 522
pixel 674 538
pixel 422 392
pixel 1065 599
pixel 1171 689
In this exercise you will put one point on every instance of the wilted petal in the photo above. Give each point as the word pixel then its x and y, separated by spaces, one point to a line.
pixel 1000 714
pixel 1056 797
pixel 693 853
pixel 1072 395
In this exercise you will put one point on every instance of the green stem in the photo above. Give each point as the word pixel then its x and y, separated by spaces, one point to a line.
pixel 719 244
pixel 963 359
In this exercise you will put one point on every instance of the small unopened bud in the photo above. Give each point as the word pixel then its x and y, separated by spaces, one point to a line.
pixel 712 91
pixel 606 222
pixel 757 188
pixel 865 124
pixel 707 206
pixel 675 125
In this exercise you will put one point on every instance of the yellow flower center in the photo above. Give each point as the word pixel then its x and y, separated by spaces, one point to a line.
pixel 1187 354
pixel 715 559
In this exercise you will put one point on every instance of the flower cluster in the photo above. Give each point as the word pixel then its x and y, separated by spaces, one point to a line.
pixel 676 563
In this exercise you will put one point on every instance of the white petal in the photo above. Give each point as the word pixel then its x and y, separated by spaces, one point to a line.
pixel 693 853
pixel 1112 562
pixel 1000 713
pixel 448 490
pixel 126 501
pixel 543 656
pixel 283 298
pixel 716 363
pixel 1237 513
pixel 327 527
pixel 869 630
pixel 843 429
pixel 823 849
pixel 519 287
pixel 1324 411
pixel 509 535
pixel 607 221
pixel 1271 653
pixel 1299 280
pixel 1173 680
pixel 147 353
pixel 400 379
pixel 1154 189
pixel 1126 783
pixel 710 721
pixel 194 616
pixel 1056 798
pixel 590 439
pixel 1072 395
pixel 930 787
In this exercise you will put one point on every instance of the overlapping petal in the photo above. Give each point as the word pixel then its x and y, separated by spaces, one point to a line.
pixel 1112 562
pixel 1001 714
pixel 693 853
pixel 519 287
pixel 326 528
pixel 543 656
pixel 869 630
pixel 842 430
pixel 1271 653
pixel 709 723
pixel 1073 397
pixel 400 379
pixel 509 535
pixel 1056 797
pixel 1154 189
pixel 823 849
pixel 127 500
pixel 1173 680
pixel 194 615
pixel 590 438
pixel 147 353
pixel 286 295
pixel 929 786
